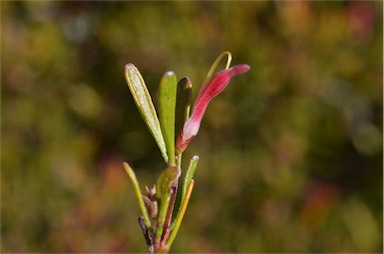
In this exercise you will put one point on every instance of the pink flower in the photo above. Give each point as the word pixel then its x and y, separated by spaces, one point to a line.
pixel 206 94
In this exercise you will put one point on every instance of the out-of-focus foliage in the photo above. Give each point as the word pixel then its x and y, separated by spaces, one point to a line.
pixel 290 153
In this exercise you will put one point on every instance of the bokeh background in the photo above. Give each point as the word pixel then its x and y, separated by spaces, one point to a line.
pixel 290 153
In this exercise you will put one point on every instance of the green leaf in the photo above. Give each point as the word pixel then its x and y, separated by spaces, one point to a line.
pixel 167 104
pixel 189 175
pixel 144 103
pixel 183 103
pixel 186 192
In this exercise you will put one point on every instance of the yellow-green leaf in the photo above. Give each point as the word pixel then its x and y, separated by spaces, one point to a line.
pixel 136 187
pixel 144 103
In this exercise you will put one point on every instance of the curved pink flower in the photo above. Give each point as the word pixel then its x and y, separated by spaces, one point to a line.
pixel 206 94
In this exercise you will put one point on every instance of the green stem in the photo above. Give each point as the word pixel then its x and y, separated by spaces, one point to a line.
pixel 136 187
pixel 180 216
pixel 178 160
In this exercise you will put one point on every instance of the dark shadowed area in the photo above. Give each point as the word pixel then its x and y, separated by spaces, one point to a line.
pixel 291 153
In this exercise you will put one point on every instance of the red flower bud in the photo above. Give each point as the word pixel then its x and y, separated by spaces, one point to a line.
pixel 206 94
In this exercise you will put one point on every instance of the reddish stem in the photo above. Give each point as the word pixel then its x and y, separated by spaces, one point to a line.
pixel 168 218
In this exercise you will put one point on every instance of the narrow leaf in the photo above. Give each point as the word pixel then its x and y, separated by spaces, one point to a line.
pixel 132 176
pixel 144 103
pixel 181 213
pixel 189 175
pixel 183 103
pixel 167 104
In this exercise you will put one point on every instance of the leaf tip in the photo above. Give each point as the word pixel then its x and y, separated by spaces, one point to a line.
pixel 129 65
pixel 169 73
pixel 126 167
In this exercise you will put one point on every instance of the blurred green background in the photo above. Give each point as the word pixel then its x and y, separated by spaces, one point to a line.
pixel 290 153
